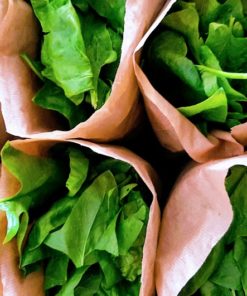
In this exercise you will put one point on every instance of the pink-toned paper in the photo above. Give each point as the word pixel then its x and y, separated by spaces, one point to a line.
pixel 196 217
pixel 9 186
pixel 3 134
pixel 174 131
pixel 120 114
pixel 18 34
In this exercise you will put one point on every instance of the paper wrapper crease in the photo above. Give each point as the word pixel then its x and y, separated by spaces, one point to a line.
pixel 10 279
pixel 174 131
pixel 3 134
pixel 20 33
pixel 197 215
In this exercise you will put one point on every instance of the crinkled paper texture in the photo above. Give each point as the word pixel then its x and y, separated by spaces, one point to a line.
pixel 119 115
pixel 174 131
pixel 196 217
pixel 10 279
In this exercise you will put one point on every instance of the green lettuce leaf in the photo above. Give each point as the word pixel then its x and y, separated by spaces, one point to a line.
pixel 200 48
pixel 113 11
pixel 83 214
pixel 89 238
pixel 98 48
pixel 80 54
pixel 213 109
pixel 63 51
pixel 186 22
pixel 53 98
pixel 39 179
pixel 170 50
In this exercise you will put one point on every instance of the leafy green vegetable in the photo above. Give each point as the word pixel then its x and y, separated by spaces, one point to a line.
pixel 39 180
pixel 87 216
pixel 200 47
pixel 53 98
pixel 98 48
pixel 113 11
pixel 213 109
pixel 63 51
pixel 224 271
pixel 80 54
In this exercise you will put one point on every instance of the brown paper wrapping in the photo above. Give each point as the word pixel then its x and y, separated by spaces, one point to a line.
pixel 10 276
pixel 196 217
pixel 18 34
pixel 174 131
pixel 3 134
pixel 114 120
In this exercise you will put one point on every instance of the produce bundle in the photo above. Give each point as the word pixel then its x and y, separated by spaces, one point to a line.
pixel 79 55
pixel 194 58
pixel 224 271
pixel 200 48
pixel 202 250
pixel 66 67
pixel 80 217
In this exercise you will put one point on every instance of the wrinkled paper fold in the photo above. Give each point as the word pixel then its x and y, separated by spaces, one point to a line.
pixel 196 217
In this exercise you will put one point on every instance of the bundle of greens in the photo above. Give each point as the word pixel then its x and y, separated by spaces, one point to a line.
pixel 224 271
pixel 197 59
pixel 80 53
pixel 80 217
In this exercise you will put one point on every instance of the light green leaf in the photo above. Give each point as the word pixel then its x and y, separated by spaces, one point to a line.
pixel 130 225
pixel 213 109
pixel 71 242
pixel 63 51
pixel 98 48
pixel 39 179
pixel 79 165
pixel 186 22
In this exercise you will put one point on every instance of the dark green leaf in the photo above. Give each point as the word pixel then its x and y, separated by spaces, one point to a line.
pixel 228 274
pixel 55 217
pixel 53 98
pixel 169 49
pixel 113 11
pixel 202 276
pixel 210 289
pixel 110 270
pixel 56 271
pixel 69 287
pixel 240 256
pixel 81 4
